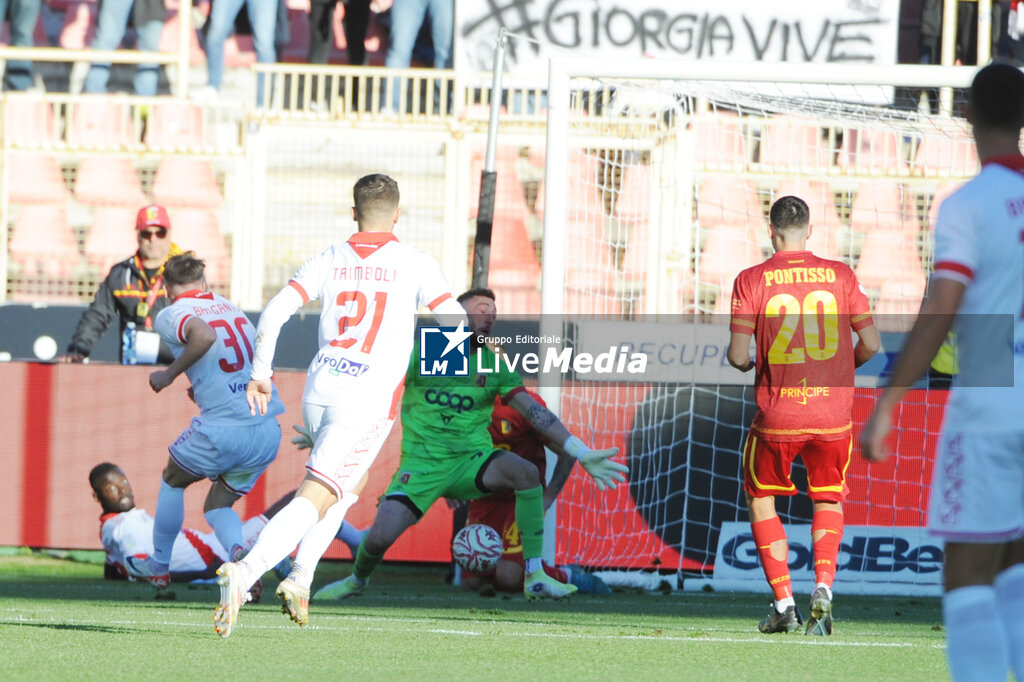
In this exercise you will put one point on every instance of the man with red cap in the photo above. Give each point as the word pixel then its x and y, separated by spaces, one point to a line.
pixel 133 290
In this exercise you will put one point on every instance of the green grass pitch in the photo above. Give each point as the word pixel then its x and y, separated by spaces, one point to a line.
pixel 60 620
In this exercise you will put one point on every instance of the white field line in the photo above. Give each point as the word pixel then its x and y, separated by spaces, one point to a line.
pixel 370 624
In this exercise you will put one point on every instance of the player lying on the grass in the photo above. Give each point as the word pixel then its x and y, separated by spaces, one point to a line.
pixel 511 431
pixel 804 390
pixel 211 340
pixel 126 530
pixel 447 452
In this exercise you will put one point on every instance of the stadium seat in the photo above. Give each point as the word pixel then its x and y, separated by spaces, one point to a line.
pixel 719 141
pixel 100 122
pixel 945 153
pixel 517 288
pixel 176 125
pixel 108 181
pixel 42 242
pixel 871 150
pixel 899 301
pixel 29 121
pixel 727 250
pixel 197 230
pixel 509 195
pixel 590 273
pixel 584 197
pixel 185 181
pixel 826 230
pixel 879 206
pixel 793 144
pixel 511 245
pixel 169 40
pixel 728 201
pixel 111 236
pixel 35 179
pixel 79 26
pixel 633 202
pixel 887 256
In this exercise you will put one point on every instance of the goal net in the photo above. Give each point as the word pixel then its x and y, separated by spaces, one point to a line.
pixel 658 182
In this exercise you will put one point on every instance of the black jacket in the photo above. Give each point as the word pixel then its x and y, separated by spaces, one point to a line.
pixel 119 295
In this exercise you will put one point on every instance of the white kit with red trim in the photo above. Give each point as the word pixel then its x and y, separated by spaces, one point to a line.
pixel 371 288
pixel 979 241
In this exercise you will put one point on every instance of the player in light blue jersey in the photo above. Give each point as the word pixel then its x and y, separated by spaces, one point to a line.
pixel 212 342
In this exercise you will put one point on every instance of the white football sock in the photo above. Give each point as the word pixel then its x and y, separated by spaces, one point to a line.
pixel 533 565
pixel 828 590
pixel 1010 593
pixel 317 539
pixel 227 527
pixel 782 604
pixel 170 514
pixel 976 644
pixel 280 536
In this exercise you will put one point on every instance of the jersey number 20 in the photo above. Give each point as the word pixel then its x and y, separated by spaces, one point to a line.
pixel 793 311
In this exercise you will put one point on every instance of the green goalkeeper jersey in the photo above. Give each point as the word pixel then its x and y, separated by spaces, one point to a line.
pixel 447 417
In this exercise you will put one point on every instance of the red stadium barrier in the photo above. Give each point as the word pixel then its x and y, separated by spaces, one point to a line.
pixel 61 420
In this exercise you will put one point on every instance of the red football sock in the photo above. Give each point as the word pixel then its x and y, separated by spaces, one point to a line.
pixel 776 571
pixel 826 548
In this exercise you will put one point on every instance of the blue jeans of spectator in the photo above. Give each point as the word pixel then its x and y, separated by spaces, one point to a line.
pixel 111 26
pixel 262 16
pixel 406 19
pixel 24 15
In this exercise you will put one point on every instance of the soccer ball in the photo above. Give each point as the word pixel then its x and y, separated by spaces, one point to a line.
pixel 477 548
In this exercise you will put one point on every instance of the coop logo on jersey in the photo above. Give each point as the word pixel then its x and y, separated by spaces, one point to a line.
pixel 444 351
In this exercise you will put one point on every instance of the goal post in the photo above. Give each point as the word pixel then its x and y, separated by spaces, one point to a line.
pixel 658 179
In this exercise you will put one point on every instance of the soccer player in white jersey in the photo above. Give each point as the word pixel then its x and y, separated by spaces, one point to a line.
pixel 370 288
pixel 212 343
pixel 977 493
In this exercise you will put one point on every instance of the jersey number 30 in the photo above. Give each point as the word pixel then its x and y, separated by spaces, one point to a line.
pixel 793 311
pixel 232 343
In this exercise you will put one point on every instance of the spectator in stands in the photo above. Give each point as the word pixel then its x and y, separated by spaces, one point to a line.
pixel 23 17
pixel 407 17
pixel 262 17
pixel 133 290
pixel 357 20
pixel 147 17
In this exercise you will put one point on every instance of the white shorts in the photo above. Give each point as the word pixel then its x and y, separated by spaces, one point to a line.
pixel 236 455
pixel 977 492
pixel 345 443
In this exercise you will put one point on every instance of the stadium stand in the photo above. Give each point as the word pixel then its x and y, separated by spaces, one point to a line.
pixel 100 122
pixel 111 236
pixel 186 182
pixel 35 179
pixel 42 242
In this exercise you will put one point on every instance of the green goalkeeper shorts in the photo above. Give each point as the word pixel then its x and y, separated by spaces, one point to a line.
pixel 424 481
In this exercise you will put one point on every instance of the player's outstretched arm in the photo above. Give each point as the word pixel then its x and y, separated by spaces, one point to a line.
pixel 597 463
pixel 273 317
pixel 922 343
pixel 199 337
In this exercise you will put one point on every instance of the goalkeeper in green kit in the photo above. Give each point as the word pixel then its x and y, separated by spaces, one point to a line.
pixel 447 452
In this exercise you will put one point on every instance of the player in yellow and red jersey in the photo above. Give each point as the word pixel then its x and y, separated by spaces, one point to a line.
pixel 511 431
pixel 799 309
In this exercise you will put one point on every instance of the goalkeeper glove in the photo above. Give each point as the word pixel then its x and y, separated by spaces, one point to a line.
pixel 598 463
pixel 304 441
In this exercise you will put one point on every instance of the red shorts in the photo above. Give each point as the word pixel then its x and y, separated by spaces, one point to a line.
pixel 767 464
pixel 499 514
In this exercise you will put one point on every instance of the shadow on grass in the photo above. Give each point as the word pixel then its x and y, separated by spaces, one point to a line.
pixel 397 588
